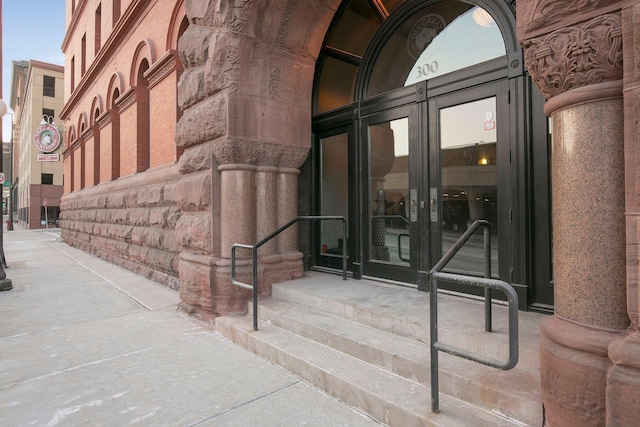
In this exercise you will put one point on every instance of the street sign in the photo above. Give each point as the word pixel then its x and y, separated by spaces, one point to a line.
pixel 44 202
pixel 1 178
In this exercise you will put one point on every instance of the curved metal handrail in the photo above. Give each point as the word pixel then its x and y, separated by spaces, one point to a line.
pixel 487 283
pixel 254 257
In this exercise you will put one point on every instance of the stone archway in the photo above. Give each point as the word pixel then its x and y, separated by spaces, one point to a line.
pixel 246 129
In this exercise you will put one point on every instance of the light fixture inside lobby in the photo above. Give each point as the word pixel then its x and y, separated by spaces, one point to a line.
pixel 482 18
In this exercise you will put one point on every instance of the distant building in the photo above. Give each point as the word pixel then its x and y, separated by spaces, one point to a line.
pixel 37 97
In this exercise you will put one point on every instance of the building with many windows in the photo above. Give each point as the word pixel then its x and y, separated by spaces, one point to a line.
pixel 37 97
pixel 194 125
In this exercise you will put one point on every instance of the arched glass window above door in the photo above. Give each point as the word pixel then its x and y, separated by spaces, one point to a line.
pixel 408 42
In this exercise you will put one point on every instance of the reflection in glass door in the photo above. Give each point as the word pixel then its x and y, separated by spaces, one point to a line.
pixel 469 180
pixel 389 194
pixel 334 194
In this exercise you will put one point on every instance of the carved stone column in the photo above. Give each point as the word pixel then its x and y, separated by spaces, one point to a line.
pixel 573 51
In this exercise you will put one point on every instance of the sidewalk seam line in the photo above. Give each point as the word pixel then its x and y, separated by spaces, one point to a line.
pixel 233 408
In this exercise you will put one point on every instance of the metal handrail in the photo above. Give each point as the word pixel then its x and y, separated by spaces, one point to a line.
pixel 487 283
pixel 254 257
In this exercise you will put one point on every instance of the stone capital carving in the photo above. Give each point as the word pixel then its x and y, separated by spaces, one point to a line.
pixel 538 16
pixel 258 154
pixel 576 56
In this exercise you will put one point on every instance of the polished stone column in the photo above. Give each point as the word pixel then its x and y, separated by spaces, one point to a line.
pixel 238 211
pixel 288 209
pixel 267 207
pixel 588 253
pixel 574 54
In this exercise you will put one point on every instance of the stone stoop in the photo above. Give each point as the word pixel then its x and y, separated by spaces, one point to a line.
pixel 370 353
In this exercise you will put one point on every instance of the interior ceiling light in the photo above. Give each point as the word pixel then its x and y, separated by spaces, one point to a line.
pixel 482 18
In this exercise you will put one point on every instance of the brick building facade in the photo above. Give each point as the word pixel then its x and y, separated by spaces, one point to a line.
pixel 120 114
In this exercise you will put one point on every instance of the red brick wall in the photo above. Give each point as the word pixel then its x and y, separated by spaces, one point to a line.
pixel 126 213
pixel 163 119
pixel 128 131
pixel 68 174
pixel 105 153
pixel 88 161
pixel 77 167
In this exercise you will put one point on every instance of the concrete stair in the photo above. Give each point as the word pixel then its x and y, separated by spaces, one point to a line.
pixel 366 344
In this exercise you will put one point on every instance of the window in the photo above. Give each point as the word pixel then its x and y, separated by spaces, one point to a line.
pixel 98 29
pixel 47 179
pixel 83 58
pixel 73 73
pixel 116 12
pixel 49 86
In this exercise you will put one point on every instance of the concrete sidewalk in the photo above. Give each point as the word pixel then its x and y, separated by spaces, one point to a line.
pixel 83 342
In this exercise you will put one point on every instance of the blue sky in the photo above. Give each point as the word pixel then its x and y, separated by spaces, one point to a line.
pixel 31 29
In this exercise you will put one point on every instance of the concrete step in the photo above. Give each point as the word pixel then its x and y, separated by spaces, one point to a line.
pixel 389 398
pixel 405 312
pixel 386 327
pixel 514 393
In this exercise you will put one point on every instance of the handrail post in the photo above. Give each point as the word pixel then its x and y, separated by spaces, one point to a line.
pixel 433 329
pixel 254 257
pixel 344 249
pixel 254 261
pixel 487 274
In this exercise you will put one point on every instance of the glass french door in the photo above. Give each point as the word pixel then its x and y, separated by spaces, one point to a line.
pixel 472 151
pixel 390 195
pixel 429 170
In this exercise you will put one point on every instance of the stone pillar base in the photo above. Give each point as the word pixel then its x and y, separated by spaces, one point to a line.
pixel 205 282
pixel 205 286
pixel 279 268
pixel 623 383
pixel 573 369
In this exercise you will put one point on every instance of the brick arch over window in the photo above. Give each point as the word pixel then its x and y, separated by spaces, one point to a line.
pixel 82 123
pixel 96 108
pixel 116 83
pixel 110 153
pixel 143 52
pixel 92 157
pixel 177 25
pixel 78 157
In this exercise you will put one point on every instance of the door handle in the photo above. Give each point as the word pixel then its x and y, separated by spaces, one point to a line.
pixel 433 204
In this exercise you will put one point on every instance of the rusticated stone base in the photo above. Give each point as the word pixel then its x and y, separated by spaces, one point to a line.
pixel 573 367
pixel 129 222
pixel 623 383
pixel 205 282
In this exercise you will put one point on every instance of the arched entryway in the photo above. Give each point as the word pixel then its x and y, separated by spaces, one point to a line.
pixel 425 120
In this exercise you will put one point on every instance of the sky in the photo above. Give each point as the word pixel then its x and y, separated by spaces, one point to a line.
pixel 31 29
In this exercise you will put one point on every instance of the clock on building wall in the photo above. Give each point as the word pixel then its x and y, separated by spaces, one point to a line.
pixel 47 138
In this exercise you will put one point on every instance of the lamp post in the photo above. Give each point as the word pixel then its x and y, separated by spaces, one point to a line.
pixel 5 283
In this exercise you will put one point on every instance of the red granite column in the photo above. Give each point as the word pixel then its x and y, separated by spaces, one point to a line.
pixel 574 54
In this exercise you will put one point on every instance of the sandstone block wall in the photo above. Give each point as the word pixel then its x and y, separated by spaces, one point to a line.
pixel 129 222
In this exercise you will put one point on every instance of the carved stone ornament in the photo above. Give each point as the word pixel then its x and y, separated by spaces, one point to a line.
pixel 536 14
pixel 240 14
pixel 577 56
